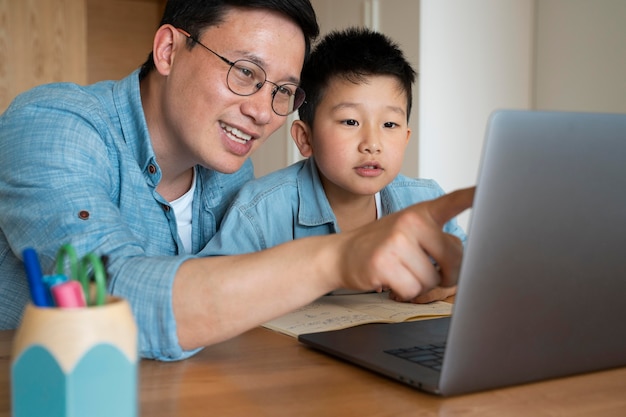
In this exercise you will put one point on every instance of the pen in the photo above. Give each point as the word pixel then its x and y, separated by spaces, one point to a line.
pixel 35 278
pixel 68 294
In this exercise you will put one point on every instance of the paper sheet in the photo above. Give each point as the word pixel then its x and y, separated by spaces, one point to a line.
pixel 333 312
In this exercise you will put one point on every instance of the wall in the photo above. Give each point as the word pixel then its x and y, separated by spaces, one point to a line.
pixel 581 55
pixel 81 41
pixel 40 41
pixel 475 57
pixel 486 54
pixel 120 34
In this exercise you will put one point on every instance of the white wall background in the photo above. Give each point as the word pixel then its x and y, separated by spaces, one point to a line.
pixel 581 55
pixel 476 56
pixel 481 55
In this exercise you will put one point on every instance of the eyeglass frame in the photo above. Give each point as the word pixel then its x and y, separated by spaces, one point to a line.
pixel 258 85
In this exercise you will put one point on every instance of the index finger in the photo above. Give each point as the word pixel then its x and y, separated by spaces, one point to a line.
pixel 450 205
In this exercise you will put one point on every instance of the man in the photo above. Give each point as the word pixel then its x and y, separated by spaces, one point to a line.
pixel 143 169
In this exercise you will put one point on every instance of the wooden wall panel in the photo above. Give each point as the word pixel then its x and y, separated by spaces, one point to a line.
pixel 82 41
pixel 120 34
pixel 40 41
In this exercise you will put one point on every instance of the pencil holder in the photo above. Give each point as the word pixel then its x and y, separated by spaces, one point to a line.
pixel 75 362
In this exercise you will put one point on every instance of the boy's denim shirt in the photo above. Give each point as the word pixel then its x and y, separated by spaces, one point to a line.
pixel 290 203
pixel 77 166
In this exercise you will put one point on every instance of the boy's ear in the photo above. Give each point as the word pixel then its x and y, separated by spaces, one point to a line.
pixel 301 135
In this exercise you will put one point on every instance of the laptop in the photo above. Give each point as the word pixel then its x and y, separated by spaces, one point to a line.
pixel 543 275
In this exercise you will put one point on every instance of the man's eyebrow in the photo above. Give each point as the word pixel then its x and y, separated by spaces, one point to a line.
pixel 261 63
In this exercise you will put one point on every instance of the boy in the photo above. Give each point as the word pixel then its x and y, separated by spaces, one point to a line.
pixel 353 128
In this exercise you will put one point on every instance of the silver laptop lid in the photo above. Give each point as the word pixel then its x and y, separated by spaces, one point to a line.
pixel 544 273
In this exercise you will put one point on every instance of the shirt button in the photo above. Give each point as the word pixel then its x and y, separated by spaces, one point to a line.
pixel 152 169
pixel 83 214
pixel 165 207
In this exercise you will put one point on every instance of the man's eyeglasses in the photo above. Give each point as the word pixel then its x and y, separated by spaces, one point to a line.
pixel 245 78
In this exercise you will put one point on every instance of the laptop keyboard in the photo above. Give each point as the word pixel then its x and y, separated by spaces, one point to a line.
pixel 430 356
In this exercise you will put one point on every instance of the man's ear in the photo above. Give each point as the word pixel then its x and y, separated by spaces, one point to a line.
pixel 301 135
pixel 164 47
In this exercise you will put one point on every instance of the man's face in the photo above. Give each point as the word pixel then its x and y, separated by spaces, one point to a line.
pixel 205 121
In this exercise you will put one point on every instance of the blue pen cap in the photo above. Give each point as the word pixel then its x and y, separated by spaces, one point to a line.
pixel 50 281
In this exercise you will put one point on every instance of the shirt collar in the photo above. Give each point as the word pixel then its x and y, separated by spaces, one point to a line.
pixel 127 98
pixel 314 208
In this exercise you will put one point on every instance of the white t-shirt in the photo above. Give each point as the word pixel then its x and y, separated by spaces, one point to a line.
pixel 182 210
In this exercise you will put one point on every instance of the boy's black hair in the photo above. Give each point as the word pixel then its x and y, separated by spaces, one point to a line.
pixel 195 16
pixel 352 54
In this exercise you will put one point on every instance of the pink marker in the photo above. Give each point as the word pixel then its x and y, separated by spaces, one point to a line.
pixel 68 294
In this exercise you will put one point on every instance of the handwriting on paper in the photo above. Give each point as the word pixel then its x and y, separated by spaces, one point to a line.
pixel 333 312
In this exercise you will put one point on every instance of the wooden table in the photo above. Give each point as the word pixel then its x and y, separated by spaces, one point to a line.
pixel 263 373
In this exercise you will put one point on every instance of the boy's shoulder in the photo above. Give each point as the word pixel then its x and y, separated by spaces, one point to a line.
pixel 282 180
pixel 404 191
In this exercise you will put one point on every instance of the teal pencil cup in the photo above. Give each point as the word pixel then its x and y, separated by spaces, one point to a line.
pixel 75 362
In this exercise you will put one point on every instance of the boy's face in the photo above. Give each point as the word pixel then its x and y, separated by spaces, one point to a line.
pixel 359 135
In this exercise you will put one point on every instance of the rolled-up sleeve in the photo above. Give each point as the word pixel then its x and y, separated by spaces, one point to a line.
pixel 146 282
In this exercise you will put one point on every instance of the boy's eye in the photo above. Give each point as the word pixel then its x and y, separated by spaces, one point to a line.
pixel 390 124
pixel 351 122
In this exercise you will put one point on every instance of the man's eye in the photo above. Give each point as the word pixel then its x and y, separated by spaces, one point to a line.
pixel 284 90
pixel 390 124
pixel 244 72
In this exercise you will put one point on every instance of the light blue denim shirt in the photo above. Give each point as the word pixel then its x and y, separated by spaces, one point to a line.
pixel 290 203
pixel 77 166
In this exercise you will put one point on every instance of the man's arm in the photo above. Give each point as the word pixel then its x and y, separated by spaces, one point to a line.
pixel 216 298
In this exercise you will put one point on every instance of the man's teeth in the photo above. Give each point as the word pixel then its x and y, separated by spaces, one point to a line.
pixel 236 134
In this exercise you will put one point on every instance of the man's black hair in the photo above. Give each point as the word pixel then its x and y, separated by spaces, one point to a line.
pixel 195 16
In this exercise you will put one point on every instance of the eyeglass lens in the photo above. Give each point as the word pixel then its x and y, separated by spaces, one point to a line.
pixel 246 78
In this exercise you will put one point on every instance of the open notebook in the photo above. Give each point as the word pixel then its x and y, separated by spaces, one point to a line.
pixel 544 271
